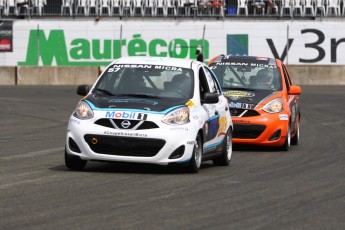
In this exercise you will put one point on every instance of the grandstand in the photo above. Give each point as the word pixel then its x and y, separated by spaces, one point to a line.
pixel 218 9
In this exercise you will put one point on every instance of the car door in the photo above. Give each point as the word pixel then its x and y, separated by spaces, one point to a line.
pixel 216 124
pixel 292 100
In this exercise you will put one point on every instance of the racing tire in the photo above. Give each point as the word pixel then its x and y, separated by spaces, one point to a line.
pixel 195 162
pixel 225 158
pixel 287 143
pixel 74 162
pixel 295 139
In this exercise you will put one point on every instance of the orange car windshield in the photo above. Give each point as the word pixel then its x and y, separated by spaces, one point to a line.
pixel 252 78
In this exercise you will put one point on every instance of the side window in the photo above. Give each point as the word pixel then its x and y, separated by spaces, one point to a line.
pixel 287 78
pixel 214 88
pixel 203 83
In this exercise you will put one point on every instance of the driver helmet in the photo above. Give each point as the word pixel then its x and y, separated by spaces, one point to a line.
pixel 264 76
pixel 182 83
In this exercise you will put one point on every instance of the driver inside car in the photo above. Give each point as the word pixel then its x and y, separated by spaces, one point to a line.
pixel 182 84
pixel 264 79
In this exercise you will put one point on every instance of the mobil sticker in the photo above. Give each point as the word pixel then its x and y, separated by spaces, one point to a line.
pixel 125 115
pixel 239 105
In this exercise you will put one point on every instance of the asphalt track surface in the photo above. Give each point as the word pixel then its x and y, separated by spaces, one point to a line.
pixel 262 189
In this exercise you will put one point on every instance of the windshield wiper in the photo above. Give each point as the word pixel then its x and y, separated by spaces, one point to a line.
pixel 138 95
pixel 238 88
pixel 104 91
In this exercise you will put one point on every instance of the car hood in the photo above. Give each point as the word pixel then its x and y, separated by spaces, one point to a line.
pixel 116 102
pixel 243 99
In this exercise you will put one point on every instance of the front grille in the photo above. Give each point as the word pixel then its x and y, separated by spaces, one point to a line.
pixel 134 124
pixel 105 123
pixel 243 113
pixel 118 123
pixel 148 125
pixel 251 113
pixel 248 131
pixel 124 146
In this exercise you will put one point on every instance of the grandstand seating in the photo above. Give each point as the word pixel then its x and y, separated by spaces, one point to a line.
pixel 38 7
pixel 242 6
pixel 104 8
pixel 2 7
pixel 218 8
pixel 82 8
pixel 172 8
pixel 127 8
pixel 66 7
pixel 138 8
pixel 93 7
pixel 286 8
pixel 115 8
pixel 159 9
pixel 149 7
pixel 333 8
pixel 260 10
pixel 309 8
pixel 297 9
pixel 10 5
pixel 275 9
pixel 181 8
pixel 320 7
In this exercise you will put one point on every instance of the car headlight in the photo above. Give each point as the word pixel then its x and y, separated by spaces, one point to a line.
pixel 274 106
pixel 178 116
pixel 83 111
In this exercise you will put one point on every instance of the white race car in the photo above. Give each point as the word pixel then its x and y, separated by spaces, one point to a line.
pixel 151 110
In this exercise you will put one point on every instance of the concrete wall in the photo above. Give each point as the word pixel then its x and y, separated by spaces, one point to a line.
pixel 7 75
pixel 300 75
pixel 317 74
pixel 56 75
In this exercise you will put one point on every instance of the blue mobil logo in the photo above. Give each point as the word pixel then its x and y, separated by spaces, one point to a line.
pixel 238 105
pixel 125 115
pixel 237 44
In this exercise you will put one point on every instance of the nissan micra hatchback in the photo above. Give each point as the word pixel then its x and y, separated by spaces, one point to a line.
pixel 151 110
pixel 264 104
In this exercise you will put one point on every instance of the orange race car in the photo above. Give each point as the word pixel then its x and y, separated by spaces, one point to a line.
pixel 264 104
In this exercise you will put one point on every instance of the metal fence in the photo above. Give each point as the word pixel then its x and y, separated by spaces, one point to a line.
pixel 172 8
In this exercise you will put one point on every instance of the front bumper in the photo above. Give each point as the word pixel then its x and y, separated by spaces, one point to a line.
pixel 161 145
pixel 264 129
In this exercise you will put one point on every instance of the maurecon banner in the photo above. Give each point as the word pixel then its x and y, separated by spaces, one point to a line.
pixel 6 36
pixel 87 42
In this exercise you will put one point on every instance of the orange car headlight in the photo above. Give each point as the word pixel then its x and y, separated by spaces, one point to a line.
pixel 274 106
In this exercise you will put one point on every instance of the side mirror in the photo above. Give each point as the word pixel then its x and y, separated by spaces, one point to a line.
pixel 210 98
pixel 295 90
pixel 83 90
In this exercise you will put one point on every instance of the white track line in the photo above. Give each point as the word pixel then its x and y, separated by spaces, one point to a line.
pixel 32 154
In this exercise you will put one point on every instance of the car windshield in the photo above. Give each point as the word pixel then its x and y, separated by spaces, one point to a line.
pixel 150 81
pixel 249 78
